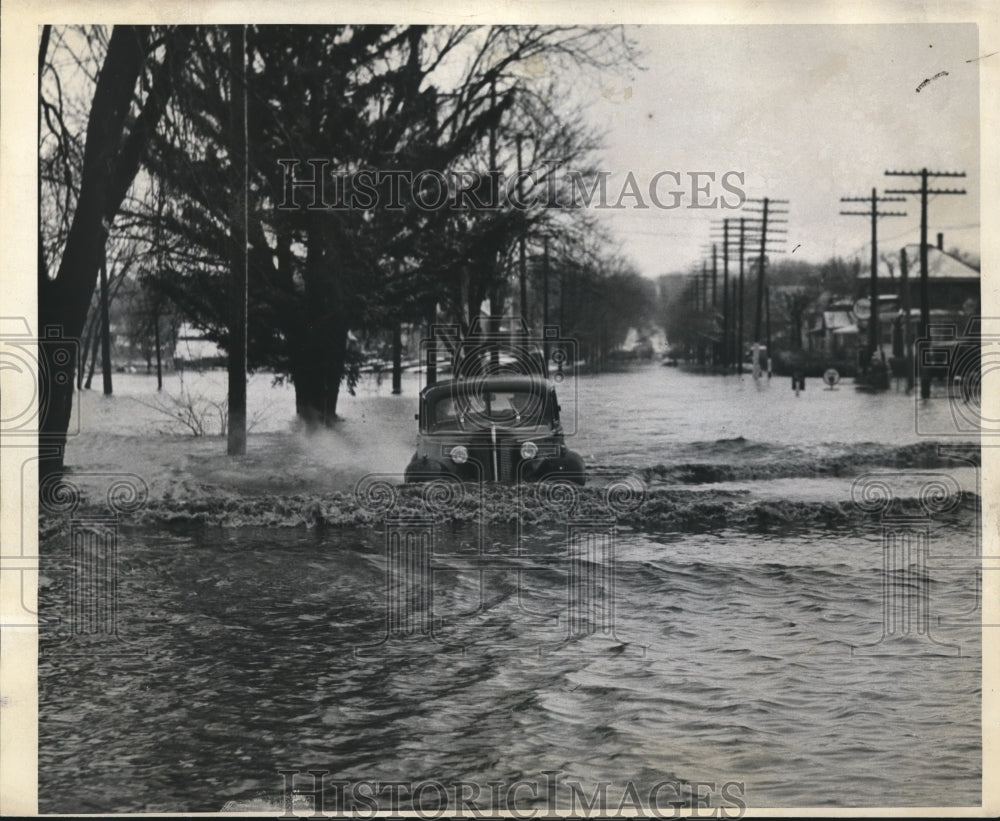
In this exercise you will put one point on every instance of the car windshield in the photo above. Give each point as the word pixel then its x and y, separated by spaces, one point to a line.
pixel 505 408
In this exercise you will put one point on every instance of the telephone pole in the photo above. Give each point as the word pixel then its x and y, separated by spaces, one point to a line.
pixel 236 440
pixel 728 326
pixel 760 274
pixel 874 337
pixel 496 292
pixel 739 335
pixel 766 213
pixel 545 300
pixel 732 330
pixel 767 222
pixel 923 191
pixel 715 276
pixel 715 273
pixel 904 274
pixel 522 266
pixel 725 294
pixel 734 311
pixel 767 325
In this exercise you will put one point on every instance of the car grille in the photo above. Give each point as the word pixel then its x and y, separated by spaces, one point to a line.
pixel 508 456
pixel 505 462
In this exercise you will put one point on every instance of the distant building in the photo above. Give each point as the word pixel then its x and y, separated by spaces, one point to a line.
pixel 835 327
pixel 834 330
pixel 193 347
pixel 953 294
pixel 951 283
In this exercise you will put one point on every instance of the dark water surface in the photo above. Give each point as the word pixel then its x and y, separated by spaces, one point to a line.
pixel 729 658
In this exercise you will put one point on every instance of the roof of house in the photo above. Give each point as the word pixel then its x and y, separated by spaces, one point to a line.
pixel 836 319
pixel 940 265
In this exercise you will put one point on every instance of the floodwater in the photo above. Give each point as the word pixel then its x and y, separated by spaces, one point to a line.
pixel 754 623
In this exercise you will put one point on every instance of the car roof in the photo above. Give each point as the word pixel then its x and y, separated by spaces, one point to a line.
pixel 513 382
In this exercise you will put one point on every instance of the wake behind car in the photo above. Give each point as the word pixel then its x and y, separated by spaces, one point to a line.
pixel 502 428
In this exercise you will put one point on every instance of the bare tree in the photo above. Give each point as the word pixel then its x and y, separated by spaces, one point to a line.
pixel 122 116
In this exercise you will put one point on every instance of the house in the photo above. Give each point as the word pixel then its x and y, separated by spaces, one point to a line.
pixel 834 331
pixel 952 285
pixel 953 297
pixel 194 348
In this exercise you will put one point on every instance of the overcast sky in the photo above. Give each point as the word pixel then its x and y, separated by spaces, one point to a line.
pixel 809 114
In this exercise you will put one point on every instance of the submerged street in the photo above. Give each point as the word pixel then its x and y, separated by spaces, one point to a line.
pixel 710 641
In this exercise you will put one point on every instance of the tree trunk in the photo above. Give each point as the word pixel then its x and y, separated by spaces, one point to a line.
pixel 236 428
pixel 317 376
pixel 159 359
pixel 319 354
pixel 477 293
pixel 397 359
pixel 431 348
pixel 105 326
pixel 110 162
pixel 89 337
pixel 93 360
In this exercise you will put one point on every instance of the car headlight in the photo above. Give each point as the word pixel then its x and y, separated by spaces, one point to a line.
pixel 459 455
pixel 529 450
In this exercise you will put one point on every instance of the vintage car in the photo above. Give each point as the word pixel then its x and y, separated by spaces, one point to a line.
pixel 493 428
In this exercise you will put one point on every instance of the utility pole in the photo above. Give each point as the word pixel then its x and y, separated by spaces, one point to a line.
pixel 545 299
pixel 562 304
pixel 739 337
pixel 734 353
pixel 493 132
pixel 766 223
pixel 431 346
pixel 904 265
pixel 236 444
pixel 733 312
pixel 715 273
pixel 874 335
pixel 160 203
pixel 496 293
pixel 704 312
pixel 522 266
pixel 767 326
pixel 923 191
pixel 725 294
pixel 397 357
pixel 159 357
pixel 766 212
pixel 760 274
pixel 704 285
